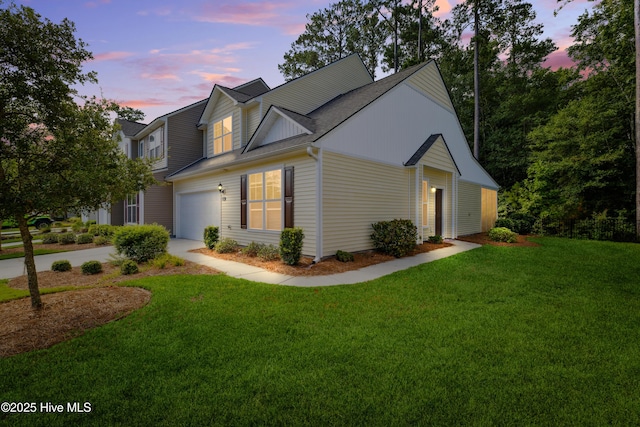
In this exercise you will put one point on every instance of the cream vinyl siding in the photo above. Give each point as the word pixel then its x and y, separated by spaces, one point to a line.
pixel 469 208
pixel 357 193
pixel 224 108
pixel 428 80
pixel 309 92
pixel 304 186
pixel 442 180
pixel 489 208
pixel 253 120
pixel 438 157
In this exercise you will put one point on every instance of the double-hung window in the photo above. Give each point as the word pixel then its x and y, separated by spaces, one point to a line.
pixel 156 144
pixel 223 135
pixel 265 200
pixel 131 209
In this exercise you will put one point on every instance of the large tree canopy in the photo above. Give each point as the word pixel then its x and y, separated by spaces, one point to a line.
pixel 55 155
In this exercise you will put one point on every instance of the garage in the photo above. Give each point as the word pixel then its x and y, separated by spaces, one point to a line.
pixel 195 212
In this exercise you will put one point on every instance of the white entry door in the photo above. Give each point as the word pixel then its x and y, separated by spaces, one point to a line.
pixel 197 211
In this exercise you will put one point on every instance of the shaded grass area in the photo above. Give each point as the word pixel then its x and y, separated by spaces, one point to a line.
pixel 539 335
pixel 36 252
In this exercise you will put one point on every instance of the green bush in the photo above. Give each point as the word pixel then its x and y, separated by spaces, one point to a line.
pixel 77 225
pixel 83 239
pixel 50 238
pixel 397 237
pixel 44 229
pixel 101 240
pixel 164 259
pixel 269 253
pixel 141 242
pixel 291 240
pixel 62 265
pixel 211 236
pixel 226 246
pixel 252 249
pixel 128 266
pixel 503 234
pixel 104 230
pixel 91 267
pixel 66 238
pixel 90 222
pixel 343 256
pixel 435 239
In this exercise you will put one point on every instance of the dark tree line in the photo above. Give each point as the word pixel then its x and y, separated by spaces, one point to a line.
pixel 560 143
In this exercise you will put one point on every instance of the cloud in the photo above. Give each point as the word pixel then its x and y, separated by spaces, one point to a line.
pixel 443 8
pixel 143 103
pixel 262 13
pixel 559 59
pixel 221 79
pixel 112 56
pixel 160 76
pixel 97 3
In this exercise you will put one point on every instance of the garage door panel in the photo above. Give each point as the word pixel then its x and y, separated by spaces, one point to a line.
pixel 197 211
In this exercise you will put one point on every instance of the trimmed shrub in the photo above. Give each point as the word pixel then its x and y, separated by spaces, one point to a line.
pixel 503 234
pixel 435 239
pixel 77 225
pixel 91 222
pixel 62 265
pixel 141 242
pixel 101 240
pixel 50 238
pixel 105 230
pixel 83 239
pixel 269 253
pixel 91 267
pixel 291 240
pixel 252 249
pixel 343 256
pixel 128 266
pixel 226 246
pixel 397 237
pixel 66 238
pixel 211 236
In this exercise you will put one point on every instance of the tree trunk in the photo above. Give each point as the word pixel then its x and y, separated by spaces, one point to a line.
pixel 636 23
pixel 30 263
pixel 476 82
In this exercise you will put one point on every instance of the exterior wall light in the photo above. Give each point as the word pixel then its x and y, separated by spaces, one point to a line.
pixel 221 188
pixel 433 189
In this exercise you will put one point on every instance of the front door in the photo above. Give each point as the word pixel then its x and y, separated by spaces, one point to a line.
pixel 439 212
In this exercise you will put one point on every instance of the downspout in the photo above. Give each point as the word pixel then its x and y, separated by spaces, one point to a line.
pixel 318 159
pixel 417 193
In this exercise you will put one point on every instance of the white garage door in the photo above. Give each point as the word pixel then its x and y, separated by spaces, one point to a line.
pixel 197 211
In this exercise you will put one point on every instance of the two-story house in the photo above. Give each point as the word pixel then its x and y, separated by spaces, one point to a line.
pixel 171 141
pixel 333 152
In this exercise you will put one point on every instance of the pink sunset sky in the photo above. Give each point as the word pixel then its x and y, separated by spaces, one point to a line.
pixel 161 55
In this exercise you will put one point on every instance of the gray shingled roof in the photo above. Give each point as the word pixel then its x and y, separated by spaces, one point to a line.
pixel 238 96
pixel 130 128
pixel 253 88
pixel 324 119
pixel 425 147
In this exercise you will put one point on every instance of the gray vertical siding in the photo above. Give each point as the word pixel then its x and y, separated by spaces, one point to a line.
pixel 158 203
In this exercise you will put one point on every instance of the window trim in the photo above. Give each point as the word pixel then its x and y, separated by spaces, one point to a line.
pixel 264 201
pixel 287 178
pixel 222 135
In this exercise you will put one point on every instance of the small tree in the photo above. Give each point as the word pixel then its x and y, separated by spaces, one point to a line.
pixel 55 155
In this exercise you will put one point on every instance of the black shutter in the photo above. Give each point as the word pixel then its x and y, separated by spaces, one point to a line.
pixel 243 201
pixel 288 197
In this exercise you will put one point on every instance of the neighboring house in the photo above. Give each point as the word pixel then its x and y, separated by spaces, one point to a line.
pixel 333 152
pixel 171 142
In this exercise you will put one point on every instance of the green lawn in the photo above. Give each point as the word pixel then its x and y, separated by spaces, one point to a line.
pixel 36 252
pixel 545 335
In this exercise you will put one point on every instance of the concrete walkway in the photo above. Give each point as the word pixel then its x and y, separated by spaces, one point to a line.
pixel 180 247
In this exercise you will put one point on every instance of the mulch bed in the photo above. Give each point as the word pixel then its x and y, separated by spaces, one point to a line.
pixel 483 239
pixel 327 266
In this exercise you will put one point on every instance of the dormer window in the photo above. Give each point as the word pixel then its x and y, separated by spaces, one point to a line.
pixel 156 145
pixel 223 135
